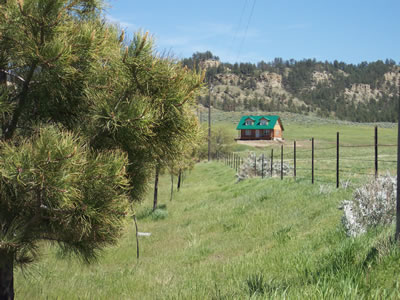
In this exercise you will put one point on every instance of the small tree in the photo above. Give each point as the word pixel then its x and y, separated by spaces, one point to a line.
pixel 221 142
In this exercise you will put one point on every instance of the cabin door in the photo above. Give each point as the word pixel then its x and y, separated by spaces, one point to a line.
pixel 257 133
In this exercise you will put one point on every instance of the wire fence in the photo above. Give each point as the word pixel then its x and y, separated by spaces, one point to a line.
pixel 323 163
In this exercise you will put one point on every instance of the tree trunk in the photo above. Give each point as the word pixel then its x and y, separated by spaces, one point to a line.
pixel 3 77
pixel 179 179
pixel 6 277
pixel 156 189
pixel 172 186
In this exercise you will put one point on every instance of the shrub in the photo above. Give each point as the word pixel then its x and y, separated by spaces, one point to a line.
pixel 373 204
pixel 253 167
pixel 159 214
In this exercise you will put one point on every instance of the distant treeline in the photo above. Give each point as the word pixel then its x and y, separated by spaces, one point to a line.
pixel 326 97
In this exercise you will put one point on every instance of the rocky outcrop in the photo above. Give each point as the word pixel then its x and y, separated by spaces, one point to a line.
pixel 228 79
pixel 272 80
pixel 209 63
pixel 320 77
pixel 361 92
pixel 392 78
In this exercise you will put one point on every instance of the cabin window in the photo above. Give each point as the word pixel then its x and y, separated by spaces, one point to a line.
pixel 249 122
pixel 265 131
pixel 263 122
pixel 247 132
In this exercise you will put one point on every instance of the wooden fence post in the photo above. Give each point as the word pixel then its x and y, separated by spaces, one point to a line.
pixel 312 160
pixel 337 160
pixel 179 179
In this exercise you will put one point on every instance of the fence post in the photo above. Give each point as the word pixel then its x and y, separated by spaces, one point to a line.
pixel 281 162
pixel 272 160
pixel 337 160
pixel 376 151
pixel 209 122
pixel 255 164
pixel 294 159
pixel 397 234
pixel 312 160
pixel 236 162
pixel 262 166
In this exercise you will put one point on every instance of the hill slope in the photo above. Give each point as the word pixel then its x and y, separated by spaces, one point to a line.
pixel 218 239
pixel 366 92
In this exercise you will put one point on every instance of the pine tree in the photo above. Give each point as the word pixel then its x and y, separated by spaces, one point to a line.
pixel 83 120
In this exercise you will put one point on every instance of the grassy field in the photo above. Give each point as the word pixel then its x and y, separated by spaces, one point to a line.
pixel 218 239
pixel 357 151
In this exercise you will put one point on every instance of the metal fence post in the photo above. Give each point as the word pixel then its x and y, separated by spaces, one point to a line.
pixel 272 161
pixel 281 162
pixel 337 159
pixel 255 164
pixel 294 160
pixel 376 151
pixel 312 160
pixel 262 166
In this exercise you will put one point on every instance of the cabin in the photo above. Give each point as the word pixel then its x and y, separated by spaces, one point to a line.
pixel 260 128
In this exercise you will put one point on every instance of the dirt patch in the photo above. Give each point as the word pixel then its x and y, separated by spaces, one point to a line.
pixel 261 144
pixel 266 144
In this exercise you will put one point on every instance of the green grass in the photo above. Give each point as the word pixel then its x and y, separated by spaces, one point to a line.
pixel 357 152
pixel 222 240
pixel 218 239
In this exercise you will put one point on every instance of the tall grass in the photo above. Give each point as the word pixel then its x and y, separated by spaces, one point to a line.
pixel 218 239
pixel 257 239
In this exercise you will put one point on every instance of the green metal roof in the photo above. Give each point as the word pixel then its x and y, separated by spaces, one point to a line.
pixel 256 125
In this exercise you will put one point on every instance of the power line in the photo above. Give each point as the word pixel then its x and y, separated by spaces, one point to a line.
pixel 247 27
pixel 238 27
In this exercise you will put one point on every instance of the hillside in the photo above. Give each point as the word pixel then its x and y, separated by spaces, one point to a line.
pixel 366 92
pixel 222 240
pixel 218 239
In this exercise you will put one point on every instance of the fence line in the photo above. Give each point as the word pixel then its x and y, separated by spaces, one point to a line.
pixel 235 160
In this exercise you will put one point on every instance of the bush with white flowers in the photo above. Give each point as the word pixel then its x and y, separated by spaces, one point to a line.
pixel 373 204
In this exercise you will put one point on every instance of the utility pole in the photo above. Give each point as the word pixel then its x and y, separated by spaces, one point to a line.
pixel 209 121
